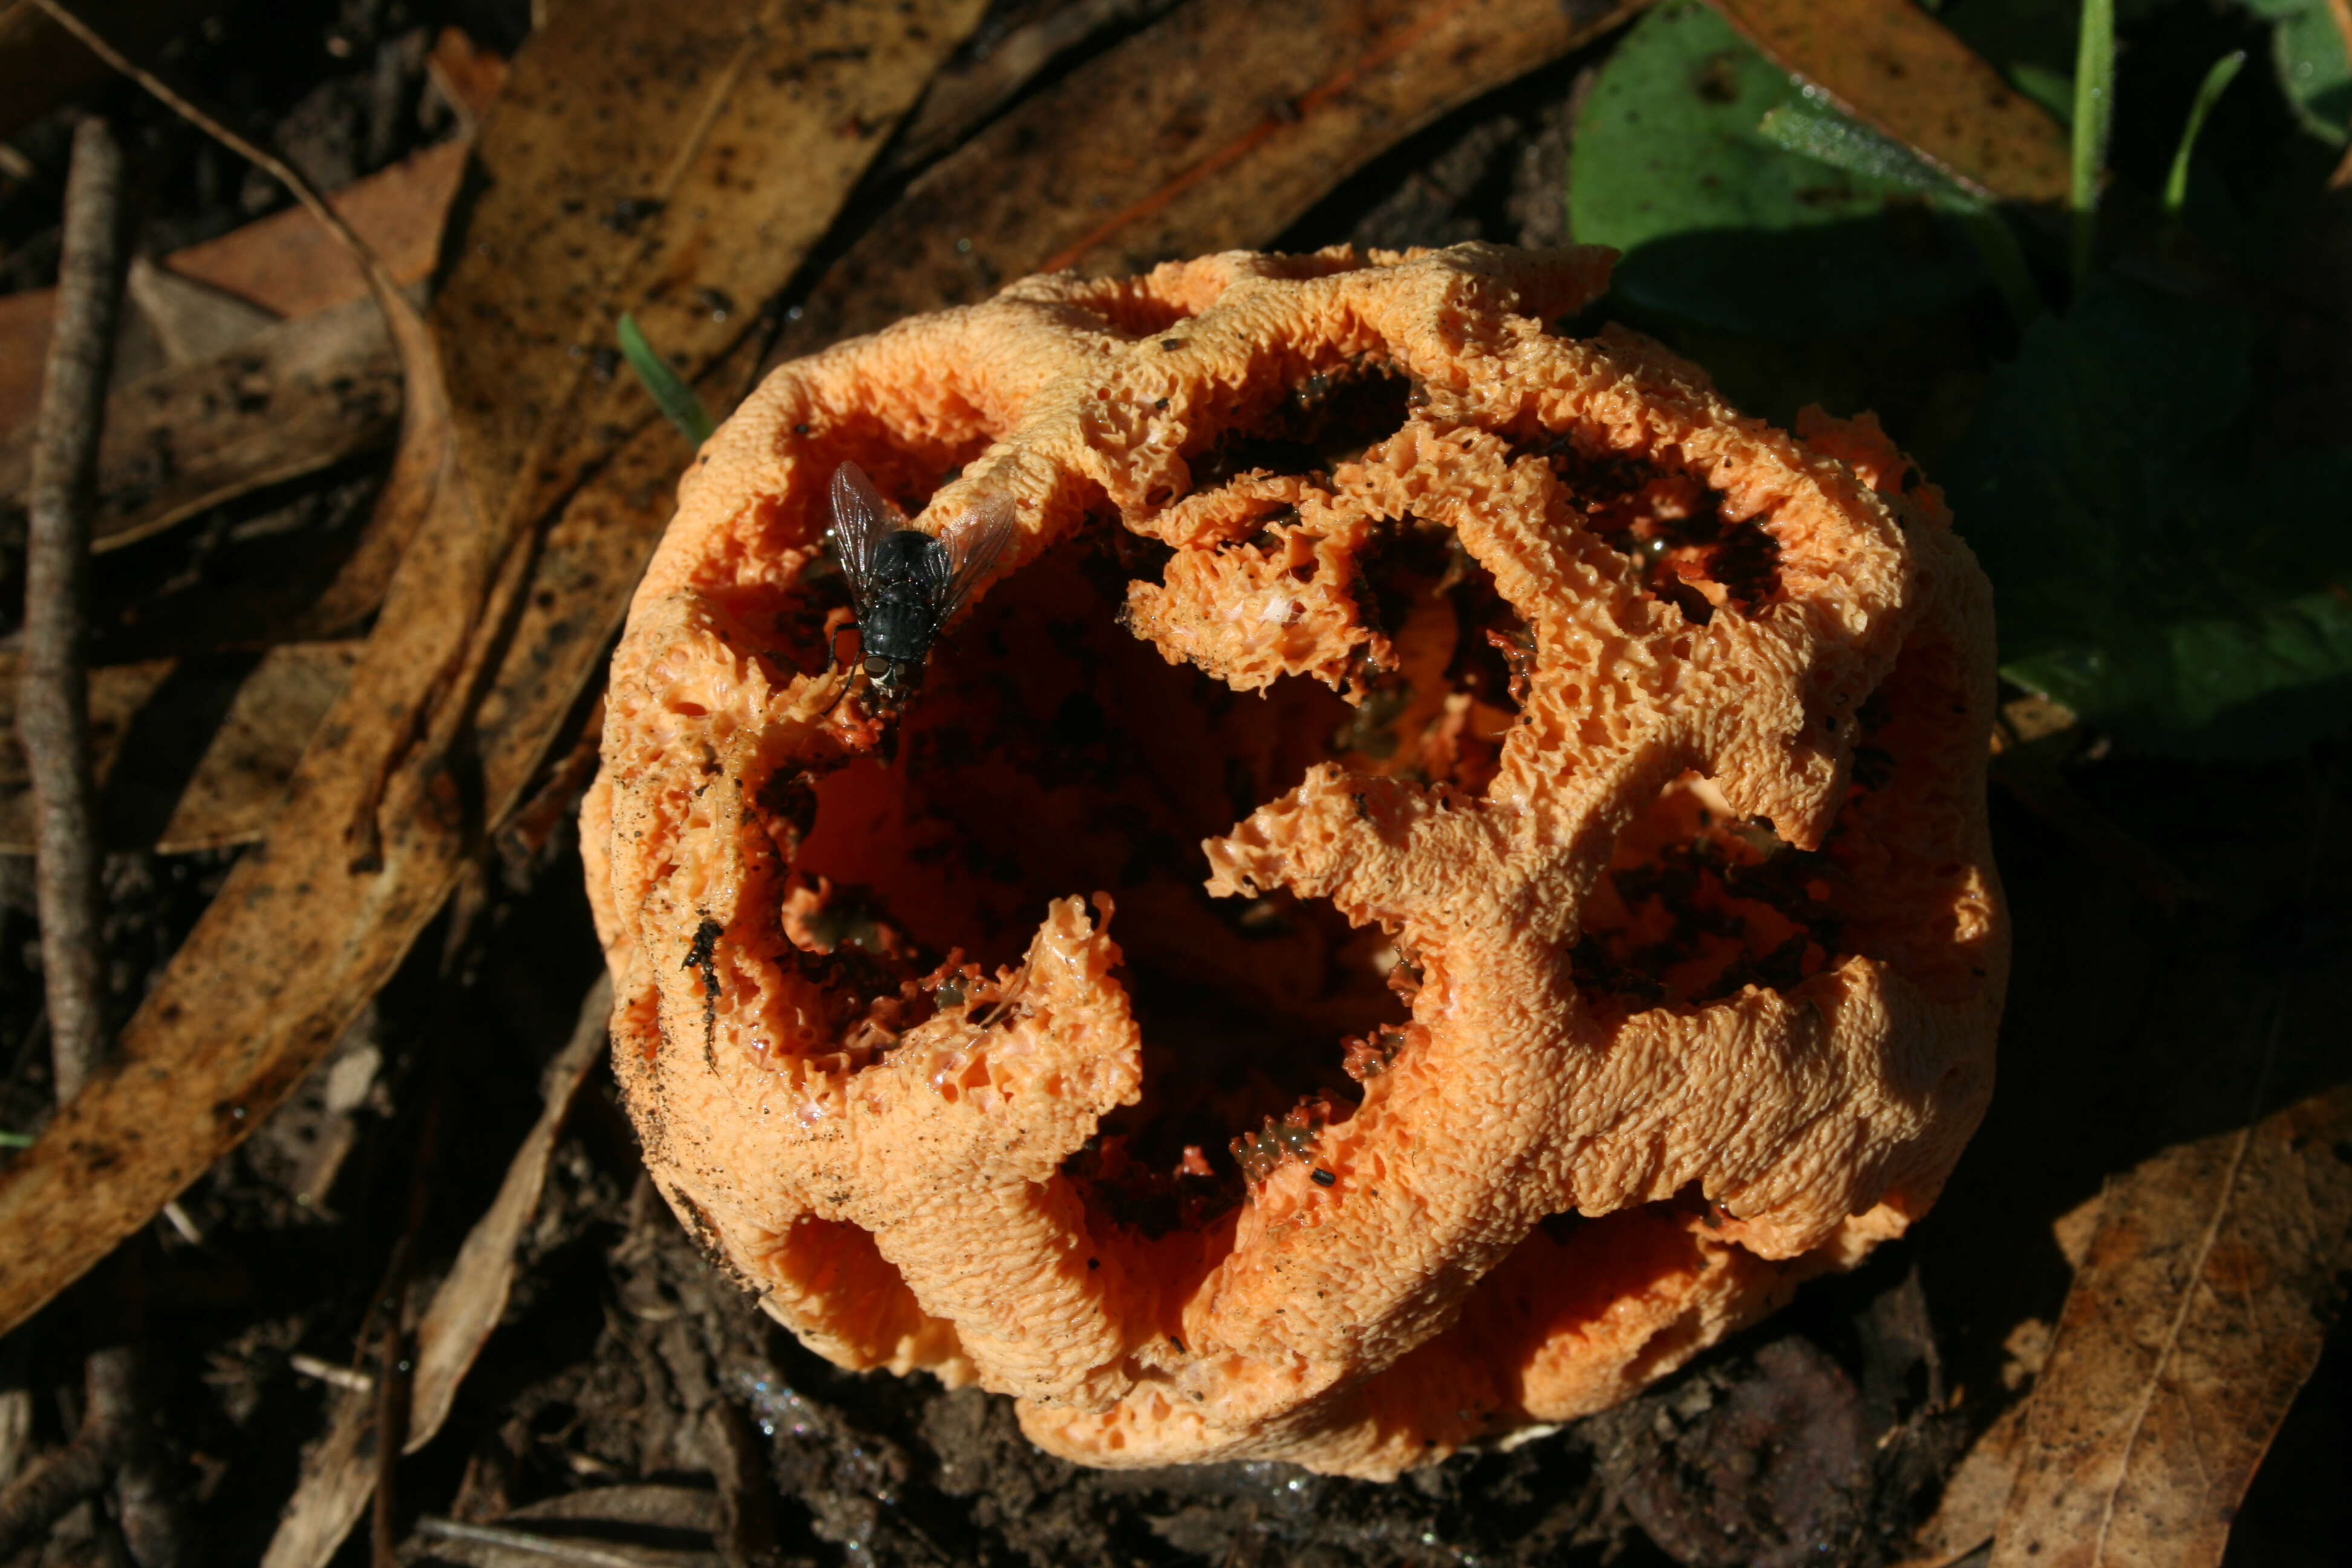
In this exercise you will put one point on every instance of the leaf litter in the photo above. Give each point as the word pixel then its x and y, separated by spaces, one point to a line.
pixel 307 931
pixel 585 462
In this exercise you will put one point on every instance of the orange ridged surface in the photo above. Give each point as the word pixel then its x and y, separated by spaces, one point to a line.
pixel 1446 872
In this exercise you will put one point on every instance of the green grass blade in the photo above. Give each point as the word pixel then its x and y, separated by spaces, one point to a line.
pixel 670 394
pixel 2095 108
pixel 2217 82
pixel 1826 136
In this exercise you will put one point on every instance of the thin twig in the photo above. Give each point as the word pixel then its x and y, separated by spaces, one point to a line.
pixel 350 1379
pixel 147 1502
pixel 46 1492
pixel 390 1434
pixel 115 1440
pixel 101 1450
pixel 561 1550
pixel 53 698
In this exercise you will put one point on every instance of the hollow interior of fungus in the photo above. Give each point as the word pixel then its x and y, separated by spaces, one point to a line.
pixel 1050 752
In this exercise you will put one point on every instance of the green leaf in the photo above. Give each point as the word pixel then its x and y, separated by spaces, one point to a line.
pixel 1721 226
pixel 2313 64
pixel 2150 571
pixel 672 396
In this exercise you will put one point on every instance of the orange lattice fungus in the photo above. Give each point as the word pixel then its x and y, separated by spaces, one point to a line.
pixel 1445 871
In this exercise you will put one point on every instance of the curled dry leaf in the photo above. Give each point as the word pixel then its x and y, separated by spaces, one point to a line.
pixel 1213 128
pixel 975 87
pixel 2213 1277
pixel 1890 65
pixel 286 263
pixel 1622 1062
pixel 190 755
pixel 296 397
pixel 707 149
pixel 339 1470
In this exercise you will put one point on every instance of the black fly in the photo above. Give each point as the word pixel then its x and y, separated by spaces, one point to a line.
pixel 904 585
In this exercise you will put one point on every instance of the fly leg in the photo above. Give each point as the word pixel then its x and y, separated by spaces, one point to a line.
pixel 832 654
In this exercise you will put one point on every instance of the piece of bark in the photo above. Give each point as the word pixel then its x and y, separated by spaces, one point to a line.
pixel 2200 1310
pixel 1212 130
pixel 633 1525
pixel 52 704
pixel 297 397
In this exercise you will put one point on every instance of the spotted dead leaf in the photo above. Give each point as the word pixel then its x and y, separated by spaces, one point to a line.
pixel 1212 130
pixel 2200 1309
pixel 1890 65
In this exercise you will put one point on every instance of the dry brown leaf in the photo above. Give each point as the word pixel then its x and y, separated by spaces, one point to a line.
pixel 1212 130
pixel 729 140
pixel 202 791
pixel 963 96
pixel 286 263
pixel 2197 1313
pixel 465 74
pixel 339 1470
pixel 294 398
pixel 24 348
pixel 1890 65
pixel 192 322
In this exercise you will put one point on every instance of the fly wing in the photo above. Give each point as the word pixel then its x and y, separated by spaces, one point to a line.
pixel 973 542
pixel 861 520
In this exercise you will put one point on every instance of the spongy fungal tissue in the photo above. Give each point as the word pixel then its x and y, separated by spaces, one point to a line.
pixel 1445 873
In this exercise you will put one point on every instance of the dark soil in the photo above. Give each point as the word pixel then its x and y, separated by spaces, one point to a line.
pixel 1823 1436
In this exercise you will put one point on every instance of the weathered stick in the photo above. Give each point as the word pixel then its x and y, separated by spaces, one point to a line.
pixel 52 706
pixel 53 724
